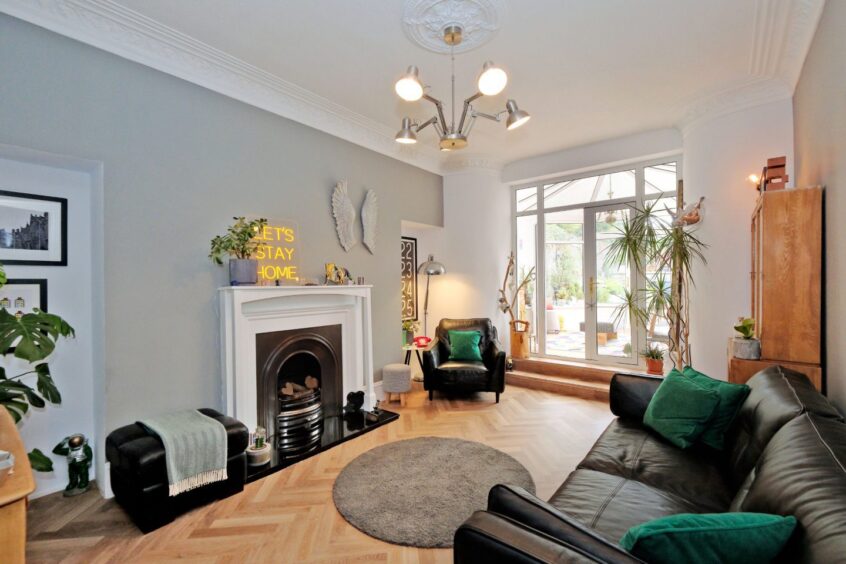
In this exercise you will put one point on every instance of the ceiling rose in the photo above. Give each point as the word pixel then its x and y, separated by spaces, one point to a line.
pixel 424 21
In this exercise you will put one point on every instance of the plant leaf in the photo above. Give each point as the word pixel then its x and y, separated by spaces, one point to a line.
pixel 34 335
pixel 39 461
pixel 15 407
pixel 33 398
pixel 46 385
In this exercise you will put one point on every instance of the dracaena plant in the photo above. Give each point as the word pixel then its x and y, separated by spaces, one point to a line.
pixel 32 337
pixel 652 244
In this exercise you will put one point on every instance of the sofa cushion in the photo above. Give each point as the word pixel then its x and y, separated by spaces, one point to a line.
pixel 612 504
pixel 681 409
pixel 802 472
pixel 776 396
pixel 629 450
pixel 710 539
pixel 465 345
pixel 132 450
pixel 731 398
pixel 462 373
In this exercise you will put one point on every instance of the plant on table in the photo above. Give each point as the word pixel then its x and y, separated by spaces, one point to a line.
pixel 654 356
pixel 746 327
pixel 32 337
pixel 746 346
pixel 664 253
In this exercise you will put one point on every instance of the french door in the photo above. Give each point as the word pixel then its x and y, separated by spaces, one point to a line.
pixel 584 292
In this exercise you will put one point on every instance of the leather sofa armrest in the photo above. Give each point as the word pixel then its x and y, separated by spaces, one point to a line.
pixel 630 394
pixel 521 506
pixel 494 358
pixel 432 357
pixel 486 537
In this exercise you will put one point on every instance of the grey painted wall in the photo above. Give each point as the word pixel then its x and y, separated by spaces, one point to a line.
pixel 179 162
pixel 819 115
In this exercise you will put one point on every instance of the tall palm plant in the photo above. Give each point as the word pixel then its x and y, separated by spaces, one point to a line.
pixel 652 243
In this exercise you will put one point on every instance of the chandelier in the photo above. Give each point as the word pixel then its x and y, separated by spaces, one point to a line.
pixel 492 81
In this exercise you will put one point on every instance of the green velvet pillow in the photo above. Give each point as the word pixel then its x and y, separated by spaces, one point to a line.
pixel 465 345
pixel 710 538
pixel 732 397
pixel 681 409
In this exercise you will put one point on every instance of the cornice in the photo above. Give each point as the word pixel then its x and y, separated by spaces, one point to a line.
pixel 128 34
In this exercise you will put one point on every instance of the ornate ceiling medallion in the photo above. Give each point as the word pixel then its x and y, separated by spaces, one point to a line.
pixel 424 21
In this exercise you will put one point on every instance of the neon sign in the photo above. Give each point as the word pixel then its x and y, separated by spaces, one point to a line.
pixel 278 252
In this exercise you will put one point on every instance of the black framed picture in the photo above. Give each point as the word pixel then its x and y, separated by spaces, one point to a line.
pixel 22 295
pixel 408 257
pixel 33 229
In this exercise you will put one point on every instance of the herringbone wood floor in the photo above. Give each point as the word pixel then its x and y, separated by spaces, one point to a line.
pixel 290 517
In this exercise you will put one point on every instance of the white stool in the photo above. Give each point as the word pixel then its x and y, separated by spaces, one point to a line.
pixel 396 380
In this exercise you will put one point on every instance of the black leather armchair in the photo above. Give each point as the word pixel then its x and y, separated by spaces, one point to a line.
pixel 442 374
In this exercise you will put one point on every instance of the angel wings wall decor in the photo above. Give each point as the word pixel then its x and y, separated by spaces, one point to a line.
pixel 369 216
pixel 344 212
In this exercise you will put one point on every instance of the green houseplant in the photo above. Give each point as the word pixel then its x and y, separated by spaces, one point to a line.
pixel 239 243
pixel 32 337
pixel 746 346
pixel 654 360
pixel 664 252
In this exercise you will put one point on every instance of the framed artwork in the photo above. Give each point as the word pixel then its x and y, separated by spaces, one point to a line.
pixel 408 258
pixel 33 229
pixel 21 295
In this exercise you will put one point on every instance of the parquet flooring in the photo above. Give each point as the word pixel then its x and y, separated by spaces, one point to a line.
pixel 290 516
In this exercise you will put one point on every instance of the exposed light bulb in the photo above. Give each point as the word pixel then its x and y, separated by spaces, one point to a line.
pixel 492 80
pixel 408 87
pixel 754 179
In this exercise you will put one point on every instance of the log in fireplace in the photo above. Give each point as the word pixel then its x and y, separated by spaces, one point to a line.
pixel 299 383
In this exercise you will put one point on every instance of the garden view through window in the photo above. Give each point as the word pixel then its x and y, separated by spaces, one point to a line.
pixel 565 230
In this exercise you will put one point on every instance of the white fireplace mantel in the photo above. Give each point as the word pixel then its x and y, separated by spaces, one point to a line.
pixel 246 311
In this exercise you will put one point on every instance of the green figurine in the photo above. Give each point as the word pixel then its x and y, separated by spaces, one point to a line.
pixel 79 455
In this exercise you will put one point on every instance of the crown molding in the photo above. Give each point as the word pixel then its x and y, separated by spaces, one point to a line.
pixel 114 28
pixel 471 163
pixel 781 36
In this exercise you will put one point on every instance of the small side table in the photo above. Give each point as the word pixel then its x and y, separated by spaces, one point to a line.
pixel 416 349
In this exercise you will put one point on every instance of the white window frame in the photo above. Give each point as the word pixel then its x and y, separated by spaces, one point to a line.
pixel 540 212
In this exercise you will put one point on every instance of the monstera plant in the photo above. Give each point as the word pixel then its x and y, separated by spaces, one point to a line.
pixel 32 337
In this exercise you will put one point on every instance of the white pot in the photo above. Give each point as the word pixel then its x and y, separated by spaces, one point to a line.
pixel 748 349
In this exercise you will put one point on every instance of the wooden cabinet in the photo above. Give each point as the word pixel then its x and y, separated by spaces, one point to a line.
pixel 740 370
pixel 787 284
pixel 13 493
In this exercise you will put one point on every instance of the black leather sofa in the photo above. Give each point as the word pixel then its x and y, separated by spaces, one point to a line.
pixel 785 454
pixel 442 374
pixel 139 475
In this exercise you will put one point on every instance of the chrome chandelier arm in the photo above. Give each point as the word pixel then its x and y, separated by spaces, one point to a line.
pixel 440 106
pixel 492 117
pixel 427 123
pixel 467 107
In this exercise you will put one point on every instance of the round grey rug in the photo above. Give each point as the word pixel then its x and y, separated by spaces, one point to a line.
pixel 417 492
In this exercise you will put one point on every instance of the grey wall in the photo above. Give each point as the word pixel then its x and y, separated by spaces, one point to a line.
pixel 819 114
pixel 179 162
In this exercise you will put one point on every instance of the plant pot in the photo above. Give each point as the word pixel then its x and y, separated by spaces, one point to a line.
pixel 258 456
pixel 655 366
pixel 748 349
pixel 243 271
pixel 519 339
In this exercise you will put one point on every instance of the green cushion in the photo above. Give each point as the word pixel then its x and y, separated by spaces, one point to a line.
pixel 681 409
pixel 707 538
pixel 732 397
pixel 464 345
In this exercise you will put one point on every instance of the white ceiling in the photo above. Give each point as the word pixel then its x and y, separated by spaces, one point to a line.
pixel 585 69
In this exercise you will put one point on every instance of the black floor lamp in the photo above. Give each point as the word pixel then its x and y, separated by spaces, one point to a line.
pixel 430 268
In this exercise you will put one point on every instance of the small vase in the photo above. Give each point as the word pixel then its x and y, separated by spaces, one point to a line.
pixel 747 349
pixel 409 337
pixel 655 366
pixel 243 271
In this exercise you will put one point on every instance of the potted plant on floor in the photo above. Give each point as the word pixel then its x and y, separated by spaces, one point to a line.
pixel 654 360
pixel 239 243
pixel 32 337
pixel 746 346
pixel 519 327
pixel 661 244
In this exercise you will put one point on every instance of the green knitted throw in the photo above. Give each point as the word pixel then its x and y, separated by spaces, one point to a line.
pixel 195 449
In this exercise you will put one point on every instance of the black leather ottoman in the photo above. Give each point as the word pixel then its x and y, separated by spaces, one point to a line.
pixel 139 474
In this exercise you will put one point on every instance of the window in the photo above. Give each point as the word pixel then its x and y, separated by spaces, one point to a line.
pixel 565 228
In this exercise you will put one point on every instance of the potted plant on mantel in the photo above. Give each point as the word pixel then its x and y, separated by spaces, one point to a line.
pixel 654 360
pixel 746 346
pixel 239 244
pixel 32 337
